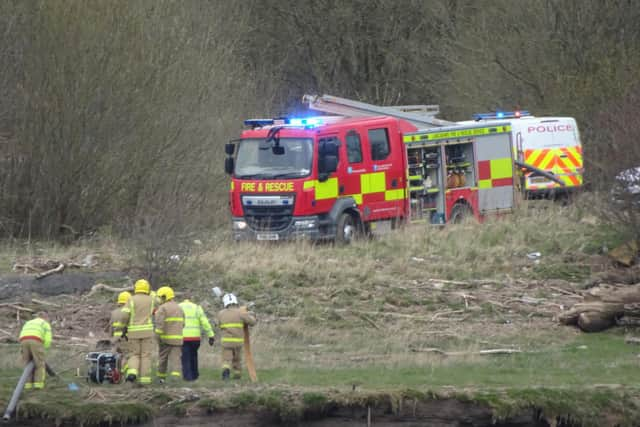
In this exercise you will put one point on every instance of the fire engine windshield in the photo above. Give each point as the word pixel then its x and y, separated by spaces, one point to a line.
pixel 257 158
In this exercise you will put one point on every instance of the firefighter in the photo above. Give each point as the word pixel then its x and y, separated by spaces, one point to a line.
pixel 139 331
pixel 117 325
pixel 35 339
pixel 169 321
pixel 195 323
pixel 231 321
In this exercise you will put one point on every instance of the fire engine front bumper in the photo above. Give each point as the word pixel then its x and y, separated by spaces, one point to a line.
pixel 303 227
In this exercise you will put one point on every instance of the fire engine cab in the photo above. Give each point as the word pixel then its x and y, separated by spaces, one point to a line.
pixel 335 177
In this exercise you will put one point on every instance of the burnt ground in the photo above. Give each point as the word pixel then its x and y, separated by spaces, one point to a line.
pixel 24 285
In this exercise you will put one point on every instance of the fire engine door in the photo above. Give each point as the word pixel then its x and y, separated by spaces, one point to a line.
pixel 383 185
pixel 350 185
pixel 495 172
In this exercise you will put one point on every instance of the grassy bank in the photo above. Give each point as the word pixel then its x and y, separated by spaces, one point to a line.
pixel 412 309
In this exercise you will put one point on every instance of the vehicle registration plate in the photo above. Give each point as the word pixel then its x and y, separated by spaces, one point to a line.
pixel 268 236
pixel 538 179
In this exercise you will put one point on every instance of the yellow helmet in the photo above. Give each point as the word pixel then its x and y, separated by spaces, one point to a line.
pixel 166 293
pixel 123 297
pixel 141 287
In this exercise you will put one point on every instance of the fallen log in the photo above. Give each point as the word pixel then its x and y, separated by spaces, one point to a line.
pixel 488 352
pixel 58 269
pixel 603 307
pixel 50 304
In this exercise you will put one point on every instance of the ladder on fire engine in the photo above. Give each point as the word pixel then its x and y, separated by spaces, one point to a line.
pixel 420 115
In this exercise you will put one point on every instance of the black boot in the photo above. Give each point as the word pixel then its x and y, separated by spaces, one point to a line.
pixel 131 378
pixel 225 374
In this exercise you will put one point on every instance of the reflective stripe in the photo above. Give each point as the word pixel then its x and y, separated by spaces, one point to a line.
pixel 431 136
pixel 28 386
pixel 372 183
pixel 391 195
pixel 117 324
pixel 161 374
pixel 134 328
pixel 30 337
pixel 176 374
pixel 327 189
pixel 174 319
pixel 171 337
pixel 145 380
pixel 231 325
pixel 38 385
pixel 117 334
pixel 159 331
pixel 231 339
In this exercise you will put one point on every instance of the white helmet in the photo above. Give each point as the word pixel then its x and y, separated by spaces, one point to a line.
pixel 229 299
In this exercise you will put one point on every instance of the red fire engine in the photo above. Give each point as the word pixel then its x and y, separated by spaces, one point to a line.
pixel 336 177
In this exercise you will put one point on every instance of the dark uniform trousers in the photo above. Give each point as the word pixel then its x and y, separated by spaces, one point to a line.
pixel 190 360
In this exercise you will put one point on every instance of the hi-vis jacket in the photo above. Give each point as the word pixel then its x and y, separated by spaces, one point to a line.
pixel 231 322
pixel 195 322
pixel 37 329
pixel 169 323
pixel 118 322
pixel 138 312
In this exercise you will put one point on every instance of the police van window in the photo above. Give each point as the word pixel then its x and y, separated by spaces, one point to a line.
pixel 354 148
pixel 379 143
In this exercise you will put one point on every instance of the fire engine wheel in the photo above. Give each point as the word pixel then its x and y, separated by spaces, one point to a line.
pixel 460 213
pixel 347 229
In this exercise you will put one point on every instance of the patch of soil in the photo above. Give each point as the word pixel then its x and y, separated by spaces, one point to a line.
pixel 436 413
pixel 22 285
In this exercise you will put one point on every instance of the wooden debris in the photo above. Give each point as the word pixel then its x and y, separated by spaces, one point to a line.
pixel 101 286
pixel 602 307
pixel 50 304
pixel 15 306
pixel 626 253
pixel 632 340
pixel 58 269
pixel 489 352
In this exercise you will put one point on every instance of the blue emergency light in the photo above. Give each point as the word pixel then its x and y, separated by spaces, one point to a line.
pixel 309 121
pixel 501 115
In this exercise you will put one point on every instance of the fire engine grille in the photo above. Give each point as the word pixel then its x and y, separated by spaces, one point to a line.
pixel 268 218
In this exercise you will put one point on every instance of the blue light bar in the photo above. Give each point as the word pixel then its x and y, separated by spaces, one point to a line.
pixel 501 115
pixel 308 122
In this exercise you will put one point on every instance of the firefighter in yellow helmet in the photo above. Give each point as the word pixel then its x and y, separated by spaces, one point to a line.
pixel 169 321
pixel 231 321
pixel 35 339
pixel 117 326
pixel 138 313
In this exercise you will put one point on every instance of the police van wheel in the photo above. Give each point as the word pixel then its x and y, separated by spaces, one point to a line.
pixel 460 213
pixel 346 229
